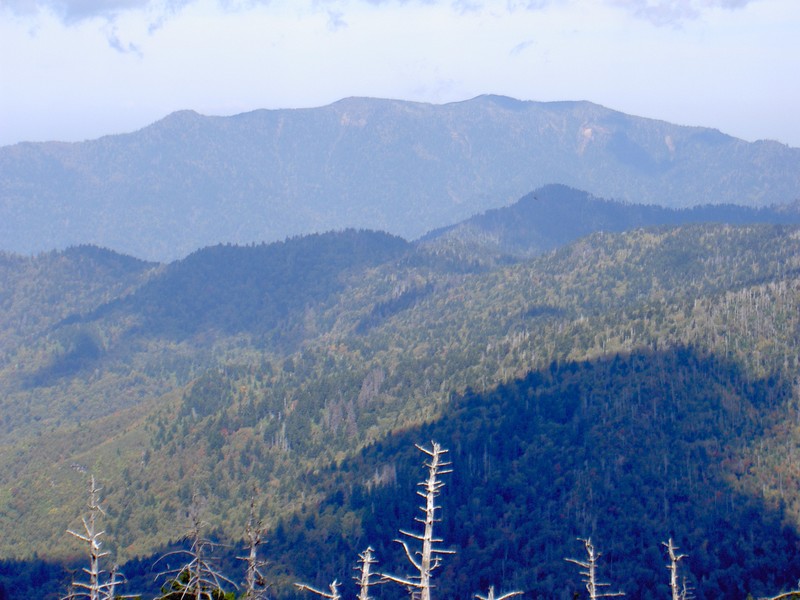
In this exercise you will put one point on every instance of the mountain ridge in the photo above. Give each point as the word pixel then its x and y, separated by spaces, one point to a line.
pixel 189 181
pixel 555 215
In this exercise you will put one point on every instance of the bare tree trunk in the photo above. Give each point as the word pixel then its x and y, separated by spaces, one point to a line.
pixel 680 591
pixel 96 588
pixel 428 559
pixel 590 572
pixel 364 578
pixel 91 537
pixel 254 580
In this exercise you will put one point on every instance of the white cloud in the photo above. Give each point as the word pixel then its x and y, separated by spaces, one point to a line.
pixel 676 12
pixel 73 11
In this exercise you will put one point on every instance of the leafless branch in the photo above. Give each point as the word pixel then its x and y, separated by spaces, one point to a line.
pixel 491 595
pixel 332 595
pixel 197 578
pixel 793 595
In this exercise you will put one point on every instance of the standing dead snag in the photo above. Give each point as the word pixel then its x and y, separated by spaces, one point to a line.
pixel 96 588
pixel 679 592
pixel 364 577
pixel 197 579
pixel 428 559
pixel 590 572
pixel 254 580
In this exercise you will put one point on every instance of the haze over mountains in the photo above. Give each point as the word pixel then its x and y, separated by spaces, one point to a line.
pixel 190 181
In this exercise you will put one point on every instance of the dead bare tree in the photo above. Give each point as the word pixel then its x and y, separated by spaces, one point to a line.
pixel 491 596
pixel 428 558
pixel 91 537
pixel 364 579
pixel 365 575
pixel 98 587
pixel 255 583
pixel 197 578
pixel 590 572
pixel 680 591
pixel 110 587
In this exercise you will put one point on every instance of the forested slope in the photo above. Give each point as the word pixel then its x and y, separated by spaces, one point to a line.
pixel 628 386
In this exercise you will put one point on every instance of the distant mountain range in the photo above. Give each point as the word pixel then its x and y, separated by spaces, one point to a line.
pixel 190 181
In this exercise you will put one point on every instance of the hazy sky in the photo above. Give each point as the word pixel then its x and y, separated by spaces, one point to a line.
pixel 78 69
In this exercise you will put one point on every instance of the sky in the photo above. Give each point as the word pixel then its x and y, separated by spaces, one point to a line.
pixel 72 70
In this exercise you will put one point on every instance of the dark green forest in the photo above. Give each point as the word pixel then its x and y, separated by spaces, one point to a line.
pixel 630 387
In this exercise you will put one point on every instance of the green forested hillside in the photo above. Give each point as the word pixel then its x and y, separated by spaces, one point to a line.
pixel 38 292
pixel 258 289
pixel 628 449
pixel 628 387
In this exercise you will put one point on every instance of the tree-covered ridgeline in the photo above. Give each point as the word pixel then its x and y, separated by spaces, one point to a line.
pixel 647 326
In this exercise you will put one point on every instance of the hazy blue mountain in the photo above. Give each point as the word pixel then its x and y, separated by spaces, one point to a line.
pixel 190 181
pixel 556 215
